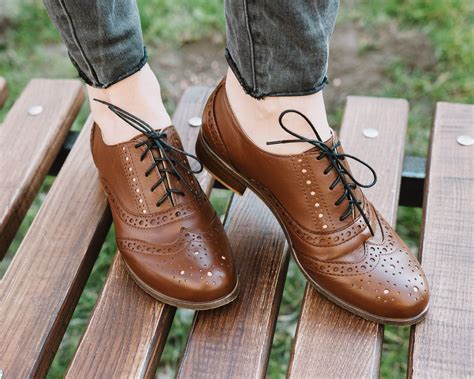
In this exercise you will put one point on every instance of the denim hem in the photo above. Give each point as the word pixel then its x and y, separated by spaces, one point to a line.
pixel 81 73
pixel 257 94
pixel 247 88
pixel 135 69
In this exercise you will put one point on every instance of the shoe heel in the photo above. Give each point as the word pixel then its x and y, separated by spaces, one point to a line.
pixel 217 168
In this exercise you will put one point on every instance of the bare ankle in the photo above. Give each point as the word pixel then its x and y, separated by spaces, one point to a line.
pixel 259 118
pixel 139 94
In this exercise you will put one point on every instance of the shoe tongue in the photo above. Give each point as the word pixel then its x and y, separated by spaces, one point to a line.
pixel 330 142
pixel 171 180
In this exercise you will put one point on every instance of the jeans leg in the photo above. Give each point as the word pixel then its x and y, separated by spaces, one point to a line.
pixel 280 47
pixel 103 38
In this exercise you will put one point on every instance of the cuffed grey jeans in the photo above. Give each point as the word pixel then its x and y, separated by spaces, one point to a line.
pixel 274 47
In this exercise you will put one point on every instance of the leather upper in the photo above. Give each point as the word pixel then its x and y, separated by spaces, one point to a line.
pixel 178 248
pixel 377 274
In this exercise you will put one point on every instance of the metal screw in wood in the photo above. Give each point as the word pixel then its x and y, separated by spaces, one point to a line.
pixel 465 140
pixel 370 132
pixel 195 121
pixel 35 110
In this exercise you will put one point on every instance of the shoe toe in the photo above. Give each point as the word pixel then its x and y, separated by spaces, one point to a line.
pixel 388 285
pixel 196 268
pixel 396 289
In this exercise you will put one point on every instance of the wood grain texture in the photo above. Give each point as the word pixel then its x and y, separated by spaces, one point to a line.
pixel 191 104
pixel 235 341
pixel 126 333
pixel 29 144
pixel 443 345
pixel 330 342
pixel 46 276
pixel 3 91
pixel 128 329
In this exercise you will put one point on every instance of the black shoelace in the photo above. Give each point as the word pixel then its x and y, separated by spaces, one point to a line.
pixel 167 162
pixel 335 160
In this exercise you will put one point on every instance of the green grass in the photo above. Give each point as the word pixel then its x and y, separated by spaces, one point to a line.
pixel 28 41
pixel 180 21
pixel 25 45
pixel 450 26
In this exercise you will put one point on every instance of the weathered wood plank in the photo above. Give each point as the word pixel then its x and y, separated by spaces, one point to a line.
pixel 45 278
pixel 329 341
pixel 29 145
pixel 442 346
pixel 190 105
pixel 126 333
pixel 240 346
pixel 3 91
pixel 128 328
pixel 235 341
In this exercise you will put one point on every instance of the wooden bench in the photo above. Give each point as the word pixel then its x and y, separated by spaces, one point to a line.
pixel 128 329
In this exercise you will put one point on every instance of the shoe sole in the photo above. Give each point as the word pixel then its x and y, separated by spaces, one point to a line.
pixel 231 179
pixel 198 306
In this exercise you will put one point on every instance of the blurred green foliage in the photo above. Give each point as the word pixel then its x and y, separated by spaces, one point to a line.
pixel 450 26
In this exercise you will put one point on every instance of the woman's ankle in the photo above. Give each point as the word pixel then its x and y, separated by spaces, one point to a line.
pixel 139 94
pixel 259 118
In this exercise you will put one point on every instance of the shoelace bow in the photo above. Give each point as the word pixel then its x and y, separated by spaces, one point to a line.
pixel 167 162
pixel 335 160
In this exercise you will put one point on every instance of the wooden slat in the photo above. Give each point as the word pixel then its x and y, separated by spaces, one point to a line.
pixel 29 145
pixel 329 341
pixel 45 278
pixel 442 346
pixel 3 91
pixel 234 341
pixel 190 105
pixel 128 328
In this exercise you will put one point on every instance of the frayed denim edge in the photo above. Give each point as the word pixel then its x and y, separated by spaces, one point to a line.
pixel 247 88
pixel 257 94
pixel 135 69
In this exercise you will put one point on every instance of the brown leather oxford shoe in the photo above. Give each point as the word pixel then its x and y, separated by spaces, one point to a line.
pixel 168 234
pixel 346 250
